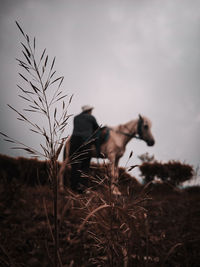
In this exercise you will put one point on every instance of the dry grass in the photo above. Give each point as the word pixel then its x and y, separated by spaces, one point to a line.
pixel 97 228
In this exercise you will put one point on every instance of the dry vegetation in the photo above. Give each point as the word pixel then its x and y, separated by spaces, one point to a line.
pixel 156 225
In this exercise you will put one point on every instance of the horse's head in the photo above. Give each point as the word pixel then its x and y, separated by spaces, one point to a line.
pixel 144 130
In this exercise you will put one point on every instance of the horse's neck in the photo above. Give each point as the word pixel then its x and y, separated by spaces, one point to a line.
pixel 129 128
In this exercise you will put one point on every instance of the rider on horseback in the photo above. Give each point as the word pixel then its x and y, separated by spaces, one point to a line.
pixel 85 126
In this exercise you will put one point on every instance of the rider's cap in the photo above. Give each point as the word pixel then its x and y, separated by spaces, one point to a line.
pixel 87 108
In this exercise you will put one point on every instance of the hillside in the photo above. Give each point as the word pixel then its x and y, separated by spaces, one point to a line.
pixel 156 225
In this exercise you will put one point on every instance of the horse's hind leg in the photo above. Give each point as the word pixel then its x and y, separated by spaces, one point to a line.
pixel 64 165
pixel 61 175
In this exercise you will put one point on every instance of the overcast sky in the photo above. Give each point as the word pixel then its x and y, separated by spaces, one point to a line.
pixel 122 57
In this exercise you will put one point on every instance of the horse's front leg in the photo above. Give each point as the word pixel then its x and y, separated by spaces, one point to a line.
pixel 114 176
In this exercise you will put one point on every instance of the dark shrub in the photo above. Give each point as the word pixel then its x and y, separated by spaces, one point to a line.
pixel 174 172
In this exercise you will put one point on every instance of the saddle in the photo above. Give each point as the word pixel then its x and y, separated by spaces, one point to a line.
pixel 102 136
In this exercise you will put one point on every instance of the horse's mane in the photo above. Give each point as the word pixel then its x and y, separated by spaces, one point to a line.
pixel 120 127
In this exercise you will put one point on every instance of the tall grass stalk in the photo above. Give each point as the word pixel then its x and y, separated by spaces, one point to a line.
pixel 38 76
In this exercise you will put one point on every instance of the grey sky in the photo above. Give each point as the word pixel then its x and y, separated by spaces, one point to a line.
pixel 123 57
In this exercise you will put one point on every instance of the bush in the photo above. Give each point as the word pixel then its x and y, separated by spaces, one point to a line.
pixel 173 172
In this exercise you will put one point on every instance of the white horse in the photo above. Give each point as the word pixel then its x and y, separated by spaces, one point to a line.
pixel 113 149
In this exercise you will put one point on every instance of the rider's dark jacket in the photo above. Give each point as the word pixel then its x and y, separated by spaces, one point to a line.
pixel 85 125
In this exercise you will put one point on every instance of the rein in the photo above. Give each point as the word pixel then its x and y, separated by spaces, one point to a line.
pixel 126 134
pixel 133 135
